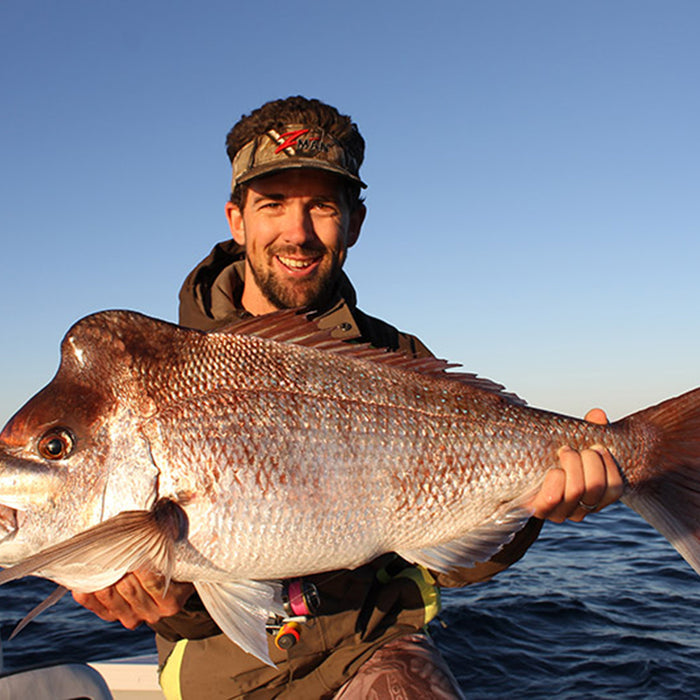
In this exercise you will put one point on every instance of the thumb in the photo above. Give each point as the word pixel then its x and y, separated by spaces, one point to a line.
pixel 596 415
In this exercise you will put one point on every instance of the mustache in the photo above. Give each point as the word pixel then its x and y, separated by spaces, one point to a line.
pixel 301 251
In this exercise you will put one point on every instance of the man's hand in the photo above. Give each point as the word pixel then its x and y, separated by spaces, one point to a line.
pixel 584 482
pixel 136 598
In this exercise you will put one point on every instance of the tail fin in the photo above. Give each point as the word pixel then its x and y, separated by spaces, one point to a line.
pixel 665 491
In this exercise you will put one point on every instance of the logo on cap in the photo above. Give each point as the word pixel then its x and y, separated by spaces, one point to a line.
pixel 291 142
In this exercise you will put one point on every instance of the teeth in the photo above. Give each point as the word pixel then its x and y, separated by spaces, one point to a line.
pixel 296 264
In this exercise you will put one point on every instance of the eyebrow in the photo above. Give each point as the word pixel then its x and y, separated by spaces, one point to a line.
pixel 279 197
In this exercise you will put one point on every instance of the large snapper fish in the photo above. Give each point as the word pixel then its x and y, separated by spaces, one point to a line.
pixel 237 459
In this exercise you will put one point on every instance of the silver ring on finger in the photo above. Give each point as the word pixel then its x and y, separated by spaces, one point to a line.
pixel 585 506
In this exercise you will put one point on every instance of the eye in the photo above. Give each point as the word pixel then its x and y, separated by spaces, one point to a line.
pixel 56 444
pixel 270 205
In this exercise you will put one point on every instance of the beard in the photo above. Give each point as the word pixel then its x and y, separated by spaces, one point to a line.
pixel 313 293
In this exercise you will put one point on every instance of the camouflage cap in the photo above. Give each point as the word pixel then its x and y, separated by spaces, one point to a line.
pixel 298 146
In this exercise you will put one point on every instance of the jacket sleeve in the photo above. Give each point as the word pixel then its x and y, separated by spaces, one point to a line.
pixel 192 622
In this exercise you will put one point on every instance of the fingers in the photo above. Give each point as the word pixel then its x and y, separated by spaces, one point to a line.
pixel 120 602
pixel 93 603
pixel 550 494
pixel 137 597
pixel 571 465
pixel 168 602
pixel 613 478
pixel 134 602
pixel 580 475
pixel 584 482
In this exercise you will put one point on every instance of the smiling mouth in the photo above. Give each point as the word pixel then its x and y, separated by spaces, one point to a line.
pixel 297 264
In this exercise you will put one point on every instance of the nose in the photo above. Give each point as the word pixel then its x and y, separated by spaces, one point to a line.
pixel 299 228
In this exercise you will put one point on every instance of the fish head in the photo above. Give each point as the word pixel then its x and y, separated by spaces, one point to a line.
pixel 73 455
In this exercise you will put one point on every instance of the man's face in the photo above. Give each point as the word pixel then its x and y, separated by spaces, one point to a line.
pixel 296 227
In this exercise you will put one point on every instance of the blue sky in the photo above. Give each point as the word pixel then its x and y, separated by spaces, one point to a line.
pixel 533 168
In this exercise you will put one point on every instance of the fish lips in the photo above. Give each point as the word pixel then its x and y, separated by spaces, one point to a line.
pixel 8 522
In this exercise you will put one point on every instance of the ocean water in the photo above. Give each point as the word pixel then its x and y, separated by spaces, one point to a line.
pixel 602 609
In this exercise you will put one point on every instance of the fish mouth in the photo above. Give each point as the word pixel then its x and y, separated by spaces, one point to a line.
pixel 8 522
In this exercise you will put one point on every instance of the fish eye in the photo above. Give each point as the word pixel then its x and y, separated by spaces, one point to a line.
pixel 56 444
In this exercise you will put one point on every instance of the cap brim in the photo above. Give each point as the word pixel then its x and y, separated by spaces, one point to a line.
pixel 297 164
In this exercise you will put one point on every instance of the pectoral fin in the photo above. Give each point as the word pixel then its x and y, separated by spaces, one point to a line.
pixel 101 555
pixel 241 609
pixel 45 604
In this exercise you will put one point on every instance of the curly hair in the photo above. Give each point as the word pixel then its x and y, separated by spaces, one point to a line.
pixel 276 114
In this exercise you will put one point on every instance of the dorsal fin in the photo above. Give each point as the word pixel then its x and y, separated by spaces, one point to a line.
pixel 297 327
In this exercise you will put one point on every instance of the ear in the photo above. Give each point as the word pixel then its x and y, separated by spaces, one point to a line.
pixel 234 216
pixel 357 216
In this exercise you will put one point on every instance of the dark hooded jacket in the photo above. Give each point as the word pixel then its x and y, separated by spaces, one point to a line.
pixel 361 609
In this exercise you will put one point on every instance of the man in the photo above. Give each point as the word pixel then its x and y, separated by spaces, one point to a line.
pixel 294 212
